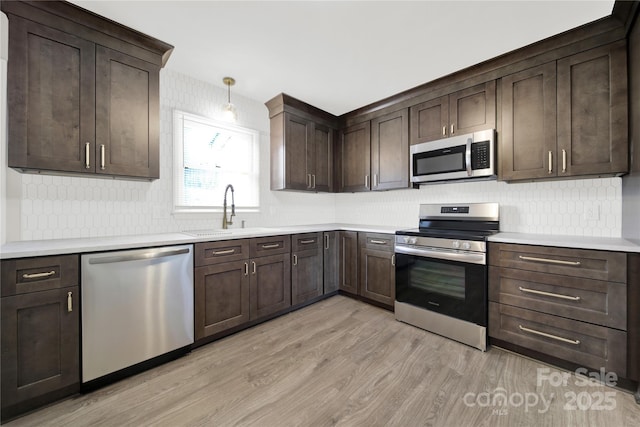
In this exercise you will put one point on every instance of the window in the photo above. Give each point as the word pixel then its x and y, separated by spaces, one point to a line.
pixel 209 155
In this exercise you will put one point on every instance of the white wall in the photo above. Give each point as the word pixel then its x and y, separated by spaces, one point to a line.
pixel 63 207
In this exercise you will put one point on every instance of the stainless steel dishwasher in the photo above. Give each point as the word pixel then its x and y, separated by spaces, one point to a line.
pixel 136 305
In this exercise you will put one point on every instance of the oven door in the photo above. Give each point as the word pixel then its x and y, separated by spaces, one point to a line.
pixel 447 286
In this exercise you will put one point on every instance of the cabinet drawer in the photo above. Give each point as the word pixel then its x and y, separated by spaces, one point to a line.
pixel 306 241
pixel 20 276
pixel 599 265
pixel 588 345
pixel 271 245
pixel 377 241
pixel 593 301
pixel 217 252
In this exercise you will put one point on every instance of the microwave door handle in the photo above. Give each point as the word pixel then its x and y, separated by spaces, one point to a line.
pixel 468 157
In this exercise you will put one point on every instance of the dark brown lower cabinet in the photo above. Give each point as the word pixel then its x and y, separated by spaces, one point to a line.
pixel 222 297
pixel 307 268
pixel 270 286
pixel 377 270
pixel 348 257
pixel 40 348
pixel 331 261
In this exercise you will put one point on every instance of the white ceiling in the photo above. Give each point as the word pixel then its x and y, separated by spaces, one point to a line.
pixel 340 55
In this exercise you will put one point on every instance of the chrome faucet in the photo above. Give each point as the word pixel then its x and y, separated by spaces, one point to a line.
pixel 226 222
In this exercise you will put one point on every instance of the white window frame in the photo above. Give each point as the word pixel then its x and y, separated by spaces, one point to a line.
pixel 178 165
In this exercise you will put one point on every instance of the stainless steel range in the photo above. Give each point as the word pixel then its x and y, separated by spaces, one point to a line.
pixel 441 271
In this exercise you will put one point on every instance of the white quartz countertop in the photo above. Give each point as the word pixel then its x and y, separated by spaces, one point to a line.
pixel 580 242
pixel 32 248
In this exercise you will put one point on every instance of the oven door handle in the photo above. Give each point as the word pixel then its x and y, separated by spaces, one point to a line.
pixel 468 157
pixel 459 256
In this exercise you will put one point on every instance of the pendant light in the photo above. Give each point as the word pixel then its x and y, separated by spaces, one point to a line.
pixel 229 110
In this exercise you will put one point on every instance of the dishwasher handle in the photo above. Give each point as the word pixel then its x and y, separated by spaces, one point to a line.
pixel 151 254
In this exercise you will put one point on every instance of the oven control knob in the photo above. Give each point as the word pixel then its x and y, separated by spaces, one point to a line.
pixel 413 240
pixel 466 245
pixel 456 244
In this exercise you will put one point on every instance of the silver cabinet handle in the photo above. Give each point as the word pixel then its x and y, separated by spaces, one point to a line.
pixel 550 162
pixel 393 260
pixel 306 242
pixel 138 256
pixel 308 180
pixel 564 161
pixel 271 246
pixel 326 241
pixel 246 268
pixel 87 155
pixel 548 294
pixel 254 267
pixel 544 334
pixel 314 181
pixel 444 131
pixel 375 180
pixel 101 156
pixel 378 242
pixel 225 252
pixel 452 129
pixel 549 261
pixel 295 259
pixel 366 181
pixel 69 302
pixel 38 275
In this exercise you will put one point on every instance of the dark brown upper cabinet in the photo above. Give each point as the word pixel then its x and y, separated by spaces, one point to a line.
pixel 566 118
pixel 83 92
pixel 302 140
pixel 467 110
pixel 374 155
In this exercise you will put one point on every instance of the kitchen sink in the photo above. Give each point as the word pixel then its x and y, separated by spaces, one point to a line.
pixel 229 232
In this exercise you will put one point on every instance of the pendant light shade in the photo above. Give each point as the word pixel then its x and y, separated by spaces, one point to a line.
pixel 229 110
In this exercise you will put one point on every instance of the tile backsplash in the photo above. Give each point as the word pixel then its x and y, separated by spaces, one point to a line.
pixel 66 207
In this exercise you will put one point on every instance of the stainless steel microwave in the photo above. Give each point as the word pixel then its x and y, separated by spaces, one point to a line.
pixel 459 157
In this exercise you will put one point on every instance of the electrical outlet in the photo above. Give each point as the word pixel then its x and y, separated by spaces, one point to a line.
pixel 592 213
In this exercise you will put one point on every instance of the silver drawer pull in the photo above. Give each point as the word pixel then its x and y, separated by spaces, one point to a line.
pixel 544 334
pixel 550 261
pixel 38 275
pixel 225 252
pixel 378 242
pixel 272 246
pixel 548 294
pixel 306 242
pixel 69 302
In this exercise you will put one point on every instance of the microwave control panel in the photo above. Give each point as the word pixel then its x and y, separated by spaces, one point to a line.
pixel 480 158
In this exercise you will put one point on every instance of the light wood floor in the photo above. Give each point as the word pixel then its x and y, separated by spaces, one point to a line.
pixel 340 362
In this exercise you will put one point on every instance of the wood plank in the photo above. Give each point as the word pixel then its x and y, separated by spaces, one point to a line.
pixel 337 362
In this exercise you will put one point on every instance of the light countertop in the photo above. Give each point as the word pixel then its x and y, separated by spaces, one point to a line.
pixel 32 248
pixel 579 242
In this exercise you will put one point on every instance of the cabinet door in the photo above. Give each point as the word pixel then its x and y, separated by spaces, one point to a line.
pixel 331 261
pixel 528 124
pixel 299 152
pixel 355 152
pixel 40 345
pixel 306 275
pixel 270 285
pixel 221 297
pixel 473 109
pixel 592 112
pixel 390 151
pixel 127 114
pixel 52 99
pixel 322 174
pixel 430 120
pixel 348 252
pixel 377 276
